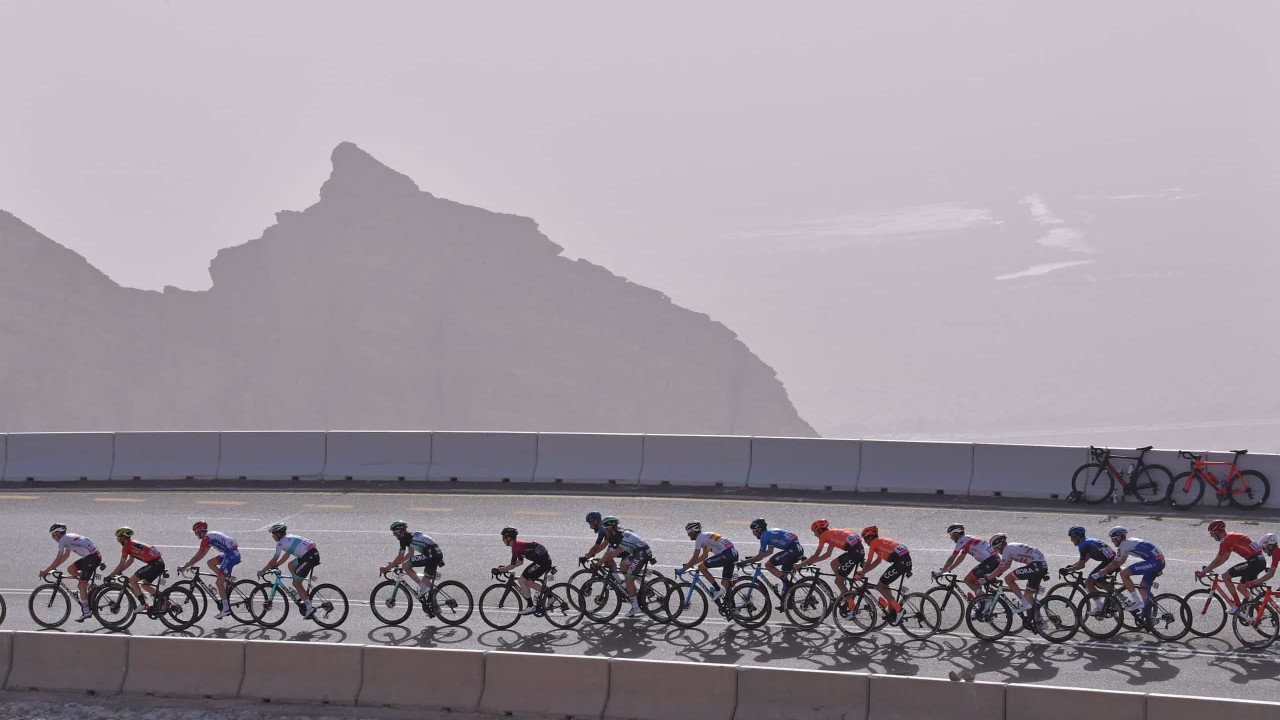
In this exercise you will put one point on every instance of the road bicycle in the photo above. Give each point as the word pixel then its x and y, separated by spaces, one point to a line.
pixel 603 594
pixel 204 592
pixel 752 596
pixel 686 603
pixel 269 602
pixel 990 614
pixel 1257 622
pixel 51 602
pixel 113 604
pixel 1096 481
pixel 392 600
pixel 1103 614
pixel 951 601
pixel 810 599
pixel 1073 586
pixel 4 610
pixel 1208 605
pixel 1246 489
pixel 501 603
pixel 859 610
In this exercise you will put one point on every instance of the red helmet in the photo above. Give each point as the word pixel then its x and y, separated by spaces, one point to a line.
pixel 1217 526
pixel 200 525
pixel 870 531
pixel 819 526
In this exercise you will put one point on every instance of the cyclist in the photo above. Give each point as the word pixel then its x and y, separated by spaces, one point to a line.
pixel 634 554
pixel 1255 561
pixel 595 521
pixel 82 569
pixel 790 551
pixel 417 550
pixel 152 568
pixel 1033 570
pixel 522 550
pixel 1151 564
pixel 981 551
pixel 711 551
pixel 1090 549
pixel 221 565
pixel 305 558
pixel 1269 547
pixel 883 549
pixel 853 555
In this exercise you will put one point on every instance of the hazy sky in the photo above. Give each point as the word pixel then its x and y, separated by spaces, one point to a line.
pixel 653 139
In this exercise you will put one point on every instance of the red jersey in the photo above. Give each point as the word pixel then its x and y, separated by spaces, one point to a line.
pixel 1275 557
pixel 1240 544
pixel 529 550
pixel 145 553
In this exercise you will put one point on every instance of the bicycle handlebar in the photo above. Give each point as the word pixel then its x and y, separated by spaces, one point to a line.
pixel 945 579
pixel 507 574
pixel 1207 578
pixel 1189 455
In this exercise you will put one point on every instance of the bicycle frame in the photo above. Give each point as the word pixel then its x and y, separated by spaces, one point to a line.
pixel 1106 455
pixel 277 584
pixel 1201 468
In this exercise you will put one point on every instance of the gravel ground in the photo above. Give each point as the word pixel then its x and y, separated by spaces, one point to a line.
pixel 43 706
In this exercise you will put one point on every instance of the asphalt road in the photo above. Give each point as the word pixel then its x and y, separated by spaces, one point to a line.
pixel 350 528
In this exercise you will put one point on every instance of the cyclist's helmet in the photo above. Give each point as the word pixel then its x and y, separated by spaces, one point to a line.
pixel 57 527
pixel 509 532
pixel 819 526
pixel 693 527
pixel 1118 531
pixel 759 524
pixel 1217 526
pixel 124 533
pixel 1268 539
pixel 955 529
pixel 870 532
pixel 200 525
pixel 278 529
pixel 399 525
pixel 1075 532
pixel 609 521
pixel 593 516
pixel 997 539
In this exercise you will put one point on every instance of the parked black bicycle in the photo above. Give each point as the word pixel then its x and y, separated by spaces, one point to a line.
pixel 1096 481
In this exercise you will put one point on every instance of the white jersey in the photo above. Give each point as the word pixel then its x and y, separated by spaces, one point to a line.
pixel 77 544
pixel 1024 554
pixel 294 545
pixel 714 542
pixel 977 547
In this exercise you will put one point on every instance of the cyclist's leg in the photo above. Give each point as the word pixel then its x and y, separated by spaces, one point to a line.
pixel 297 571
pixel 226 562
pixel 896 570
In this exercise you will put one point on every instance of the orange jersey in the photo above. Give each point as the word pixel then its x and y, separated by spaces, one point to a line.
pixel 1240 544
pixel 837 538
pixel 883 547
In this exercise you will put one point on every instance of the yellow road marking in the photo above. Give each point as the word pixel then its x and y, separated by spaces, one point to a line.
pixel 221 502
pixel 6 496
pixel 427 509
pixel 111 499
pixel 540 513
pixel 643 517
pixel 327 506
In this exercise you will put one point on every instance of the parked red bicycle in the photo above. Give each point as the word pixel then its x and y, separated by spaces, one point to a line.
pixel 1246 489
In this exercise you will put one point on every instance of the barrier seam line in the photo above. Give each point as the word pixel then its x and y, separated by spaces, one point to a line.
pixel 751 459
pixel 973 450
pixel 5 465
pixel 431 460
pixel 9 667
pixel 244 664
pixel 111 471
pixel 608 686
pixel 125 674
pixel 857 479
pixel 644 441
pixel 537 456
pixel 360 687
pixel 737 681
pixel 217 472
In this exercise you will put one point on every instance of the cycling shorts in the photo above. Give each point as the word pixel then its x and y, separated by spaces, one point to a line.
pixel 150 571
pixel 229 559
pixel 787 557
pixel 1148 570
pixel 1032 574
pixel 850 559
pixel 985 567
pixel 899 565
pixel 429 561
pixel 87 566
pixel 636 563
pixel 725 559
pixel 1250 569
pixel 1098 570
pixel 536 569
pixel 305 564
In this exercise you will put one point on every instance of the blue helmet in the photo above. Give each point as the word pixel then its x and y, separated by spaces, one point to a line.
pixel 1077 530
pixel 593 515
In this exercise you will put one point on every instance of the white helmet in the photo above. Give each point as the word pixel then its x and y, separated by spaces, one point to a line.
pixel 1118 530
pixel 1268 539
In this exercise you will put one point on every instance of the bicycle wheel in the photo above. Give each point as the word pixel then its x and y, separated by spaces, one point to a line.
pixel 197 594
pixel 950 607
pixel 750 604
pixel 49 605
pixel 113 606
pixel 452 602
pixel 686 605
pixel 500 606
pixel 562 606
pixel 920 616
pixel 390 602
pixel 989 617
pixel 238 597
pixel 1208 612
pixel 4 610
pixel 807 603
pixel 1256 625
pixel 1152 484
pixel 1249 490
pixel 269 606
pixel 1092 483
pixel 180 611
pixel 1070 592
pixel 1186 491
pixel 600 602
pixel 1167 617
pixel 855 613
pixel 1056 619
pixel 1101 615
pixel 330 604
pixel 653 598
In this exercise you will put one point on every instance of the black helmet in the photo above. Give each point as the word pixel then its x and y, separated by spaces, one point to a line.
pixel 278 529
pixel 593 515
pixel 509 532
pixel 759 524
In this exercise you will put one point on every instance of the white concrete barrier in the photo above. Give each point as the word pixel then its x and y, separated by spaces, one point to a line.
pixel 1045 702
pixel 6 655
pixel 804 463
pixel 67 662
pixel 520 683
pixel 304 672
pixel 59 456
pixel 589 458
pixel 272 456
pixel 777 694
pixel 654 690
pixel 477 456
pixel 165 456
pixel 377 455
pixel 4 453
pixel 184 667
pixel 696 460
pixel 1027 471
pixel 915 467
pixel 916 698
pixel 1183 707
pixel 393 677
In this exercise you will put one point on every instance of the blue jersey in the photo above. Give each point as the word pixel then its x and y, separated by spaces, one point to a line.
pixel 778 538
pixel 1095 549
